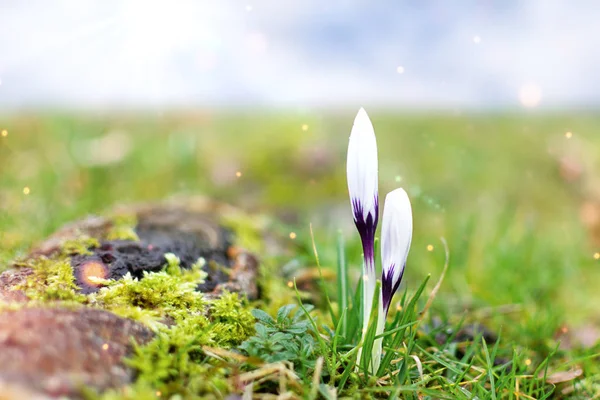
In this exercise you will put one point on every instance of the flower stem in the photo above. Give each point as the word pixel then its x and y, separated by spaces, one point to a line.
pixel 369 284
pixel 378 344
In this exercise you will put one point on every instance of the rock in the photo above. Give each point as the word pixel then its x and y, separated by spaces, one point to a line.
pixel 189 229
pixel 11 391
pixel 57 351
pixel 50 350
pixel 9 280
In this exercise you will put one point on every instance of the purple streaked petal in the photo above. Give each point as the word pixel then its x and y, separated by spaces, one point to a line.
pixel 389 286
pixel 366 227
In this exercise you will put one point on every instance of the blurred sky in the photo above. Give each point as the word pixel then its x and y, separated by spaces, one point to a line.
pixel 300 53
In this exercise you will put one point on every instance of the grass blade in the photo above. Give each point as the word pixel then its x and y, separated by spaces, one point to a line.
pixel 342 283
pixel 490 368
pixel 322 282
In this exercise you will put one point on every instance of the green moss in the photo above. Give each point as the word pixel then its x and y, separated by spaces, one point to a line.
pixel 173 265
pixel 232 320
pixel 81 245
pixel 184 373
pixel 200 384
pixel 157 295
pixel 171 294
pixel 171 355
pixel 155 291
pixel 174 362
pixel 137 391
pixel 194 274
pixel 123 228
pixel 52 279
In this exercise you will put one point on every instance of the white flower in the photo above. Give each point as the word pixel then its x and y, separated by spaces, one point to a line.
pixel 396 235
pixel 361 169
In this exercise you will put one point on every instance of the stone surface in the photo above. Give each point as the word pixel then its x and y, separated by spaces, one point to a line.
pixel 9 280
pixel 55 351
pixel 187 229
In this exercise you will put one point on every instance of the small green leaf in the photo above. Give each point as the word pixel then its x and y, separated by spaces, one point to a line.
pixel 284 311
pixel 262 316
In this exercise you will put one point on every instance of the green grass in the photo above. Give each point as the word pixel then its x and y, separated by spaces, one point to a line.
pixel 521 262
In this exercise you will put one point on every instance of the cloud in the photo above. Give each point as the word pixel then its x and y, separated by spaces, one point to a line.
pixel 156 53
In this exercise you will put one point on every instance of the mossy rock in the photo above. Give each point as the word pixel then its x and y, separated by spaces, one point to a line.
pixel 172 271
pixel 135 239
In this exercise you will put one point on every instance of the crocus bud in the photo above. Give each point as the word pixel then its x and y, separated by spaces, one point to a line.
pixel 396 235
pixel 362 176
pixel 361 171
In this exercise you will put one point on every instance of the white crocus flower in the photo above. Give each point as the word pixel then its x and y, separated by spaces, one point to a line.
pixel 362 186
pixel 396 235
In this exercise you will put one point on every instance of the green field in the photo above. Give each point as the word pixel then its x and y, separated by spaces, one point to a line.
pixel 521 260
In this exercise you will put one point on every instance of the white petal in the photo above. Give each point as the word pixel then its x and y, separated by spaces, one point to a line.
pixel 362 164
pixel 396 232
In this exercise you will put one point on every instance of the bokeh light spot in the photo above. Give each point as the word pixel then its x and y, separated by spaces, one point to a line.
pixel 530 95
pixel 91 270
